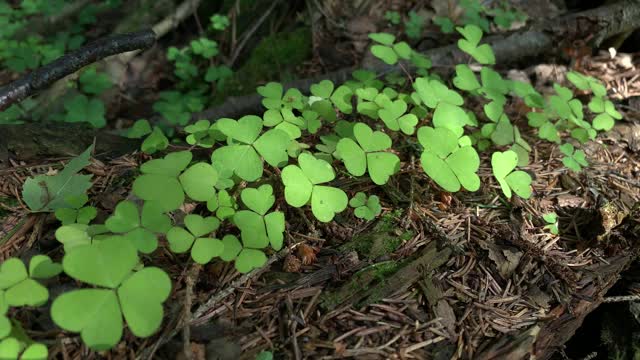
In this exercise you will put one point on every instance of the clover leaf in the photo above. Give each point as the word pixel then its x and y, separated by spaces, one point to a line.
pixel 92 82
pixel 432 92
pixel 156 141
pixel 203 248
pixel 20 287
pixel 302 185
pixel 48 192
pixel 204 47
pixel 573 159
pixel 223 204
pixel 203 134
pixel 274 99
pixel 503 164
pixel 138 228
pixel 341 98
pixel 387 51
pixel 393 115
pixel 159 181
pixel 552 222
pixel 76 212
pixel 272 146
pixel 250 259
pixel 446 162
pixel 320 100
pixel 82 109
pixel 97 313
pixel 465 79
pixel 368 153
pixel 285 120
pixel 472 36
pixel 366 207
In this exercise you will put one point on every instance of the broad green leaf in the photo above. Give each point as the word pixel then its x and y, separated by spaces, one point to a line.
pixel 327 201
pixel 259 200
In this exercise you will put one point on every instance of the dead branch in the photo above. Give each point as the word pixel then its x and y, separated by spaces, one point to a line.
pixel 72 62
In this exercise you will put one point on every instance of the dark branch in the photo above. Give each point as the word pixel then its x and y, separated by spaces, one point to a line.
pixel 72 62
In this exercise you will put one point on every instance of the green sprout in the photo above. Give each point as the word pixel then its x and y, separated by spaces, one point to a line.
pixel 503 164
pixel 19 287
pixel 446 162
pixel 249 146
pixel 413 26
pixel 76 212
pixel 83 109
pixel 552 222
pixel 194 237
pixel 219 22
pixel 259 229
pixel 388 50
pixel 368 154
pixel 223 204
pixel 573 159
pixel 365 207
pixel 472 36
pixel 302 184
pixel 139 228
pixel 96 313
pixel 395 118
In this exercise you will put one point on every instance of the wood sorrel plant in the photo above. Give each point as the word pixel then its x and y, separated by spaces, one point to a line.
pixel 245 222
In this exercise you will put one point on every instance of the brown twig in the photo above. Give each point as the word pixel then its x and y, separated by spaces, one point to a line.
pixel 72 62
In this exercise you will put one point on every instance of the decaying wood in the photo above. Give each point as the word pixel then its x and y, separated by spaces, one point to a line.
pixel 28 142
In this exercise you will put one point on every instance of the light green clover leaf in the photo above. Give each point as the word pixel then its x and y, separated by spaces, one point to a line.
pixel 366 207
pixel 552 222
pixel 97 313
pixel 250 259
pixel 368 153
pixel 83 109
pixel 76 213
pixel 20 287
pixel 503 164
pixel 272 146
pixel 302 184
pixel 159 181
pixel 573 159
pixel 223 204
pixel 258 228
pixel 138 228
pixel 433 92
pixel 465 79
pixel 472 36
pixel 203 248
pixel 448 164
pixel 395 118
pixel 156 141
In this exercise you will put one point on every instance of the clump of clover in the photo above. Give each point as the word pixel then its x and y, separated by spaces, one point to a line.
pixel 302 146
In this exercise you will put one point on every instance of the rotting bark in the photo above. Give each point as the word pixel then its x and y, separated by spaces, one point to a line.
pixel 72 62
pixel 29 142
pixel 551 35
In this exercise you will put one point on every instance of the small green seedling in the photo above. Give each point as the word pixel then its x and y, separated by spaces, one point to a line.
pixel 204 47
pixel 96 313
pixel 223 204
pixel 388 50
pixel 195 237
pixel 93 82
pixel 413 26
pixel 76 212
pixel 138 228
pixel 49 192
pixel 83 109
pixel 259 229
pixel 164 183
pixel 156 141
pixel 446 162
pixel 368 154
pixel 552 222
pixel 20 287
pixel 302 184
pixel 472 36
pixel 393 17
pixel 249 146
pixel 365 207
pixel 393 115
pixel 219 22
pixel 573 159
pixel 503 165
